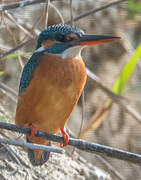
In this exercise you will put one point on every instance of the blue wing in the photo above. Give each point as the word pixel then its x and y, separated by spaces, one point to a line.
pixel 29 70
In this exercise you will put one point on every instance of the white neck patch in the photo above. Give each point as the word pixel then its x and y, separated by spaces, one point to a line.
pixel 72 52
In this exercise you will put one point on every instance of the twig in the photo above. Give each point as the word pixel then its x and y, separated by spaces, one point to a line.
pixel 71 13
pixel 14 40
pixel 16 48
pixel 58 12
pixel 7 88
pixel 80 144
pixel 10 96
pixel 20 4
pixel 19 25
pixel 110 168
pixel 116 98
pixel 83 113
pixel 31 2
pixel 31 146
pixel 46 12
pixel 92 11
pixel 97 118
pixel 12 153
pixel 82 119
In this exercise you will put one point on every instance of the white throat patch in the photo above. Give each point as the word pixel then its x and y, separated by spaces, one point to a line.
pixel 72 52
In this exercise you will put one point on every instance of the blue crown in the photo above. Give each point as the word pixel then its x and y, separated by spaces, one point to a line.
pixel 63 29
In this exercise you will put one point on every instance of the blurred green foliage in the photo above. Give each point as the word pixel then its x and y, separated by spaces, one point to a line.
pixel 134 7
pixel 124 76
pixel 4 117
pixel 17 55
pixel 1 73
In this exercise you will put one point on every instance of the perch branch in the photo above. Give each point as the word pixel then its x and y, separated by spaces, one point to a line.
pixel 30 145
pixel 80 144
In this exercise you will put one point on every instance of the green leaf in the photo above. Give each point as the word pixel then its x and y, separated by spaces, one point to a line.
pixel 134 5
pixel 1 73
pixel 17 55
pixel 126 72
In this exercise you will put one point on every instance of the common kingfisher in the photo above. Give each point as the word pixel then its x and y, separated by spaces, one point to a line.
pixel 52 82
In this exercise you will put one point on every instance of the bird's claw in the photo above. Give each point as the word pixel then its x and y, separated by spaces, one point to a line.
pixel 65 136
pixel 33 131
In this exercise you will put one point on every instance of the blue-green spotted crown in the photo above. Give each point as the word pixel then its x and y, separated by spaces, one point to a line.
pixel 58 32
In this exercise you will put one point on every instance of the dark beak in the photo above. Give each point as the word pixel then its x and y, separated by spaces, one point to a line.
pixel 90 40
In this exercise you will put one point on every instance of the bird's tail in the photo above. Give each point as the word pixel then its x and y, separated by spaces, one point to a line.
pixel 38 157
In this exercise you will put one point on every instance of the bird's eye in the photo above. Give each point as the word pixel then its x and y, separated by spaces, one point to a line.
pixel 61 37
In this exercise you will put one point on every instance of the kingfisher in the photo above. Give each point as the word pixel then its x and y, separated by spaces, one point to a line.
pixel 52 82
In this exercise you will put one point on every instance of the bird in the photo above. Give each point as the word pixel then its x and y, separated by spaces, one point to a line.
pixel 52 82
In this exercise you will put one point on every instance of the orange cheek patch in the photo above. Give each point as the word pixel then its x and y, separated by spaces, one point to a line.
pixel 48 43
pixel 89 43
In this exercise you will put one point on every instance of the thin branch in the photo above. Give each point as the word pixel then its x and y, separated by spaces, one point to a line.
pixel 31 2
pixel 110 168
pixel 17 47
pixel 19 25
pixel 14 40
pixel 12 153
pixel 20 4
pixel 58 12
pixel 97 119
pixel 46 12
pixel 83 113
pixel 80 144
pixel 92 11
pixel 9 89
pixel 82 119
pixel 10 96
pixel 31 146
pixel 71 13
pixel 116 98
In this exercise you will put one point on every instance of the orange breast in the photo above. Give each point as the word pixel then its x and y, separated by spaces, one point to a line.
pixel 52 94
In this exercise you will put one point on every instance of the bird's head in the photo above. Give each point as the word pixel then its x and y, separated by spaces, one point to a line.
pixel 68 41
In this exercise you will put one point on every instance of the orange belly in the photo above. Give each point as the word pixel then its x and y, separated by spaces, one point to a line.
pixel 52 94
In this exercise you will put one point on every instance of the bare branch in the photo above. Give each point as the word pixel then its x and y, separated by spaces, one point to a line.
pixel 16 48
pixel 71 13
pixel 19 25
pixel 46 12
pixel 58 12
pixel 20 4
pixel 92 11
pixel 31 146
pixel 110 168
pixel 115 97
pixel 9 89
pixel 10 96
pixel 80 144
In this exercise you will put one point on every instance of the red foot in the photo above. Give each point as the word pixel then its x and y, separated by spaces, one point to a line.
pixel 65 136
pixel 33 131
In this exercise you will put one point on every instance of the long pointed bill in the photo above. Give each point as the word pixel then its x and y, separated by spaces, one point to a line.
pixel 90 40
